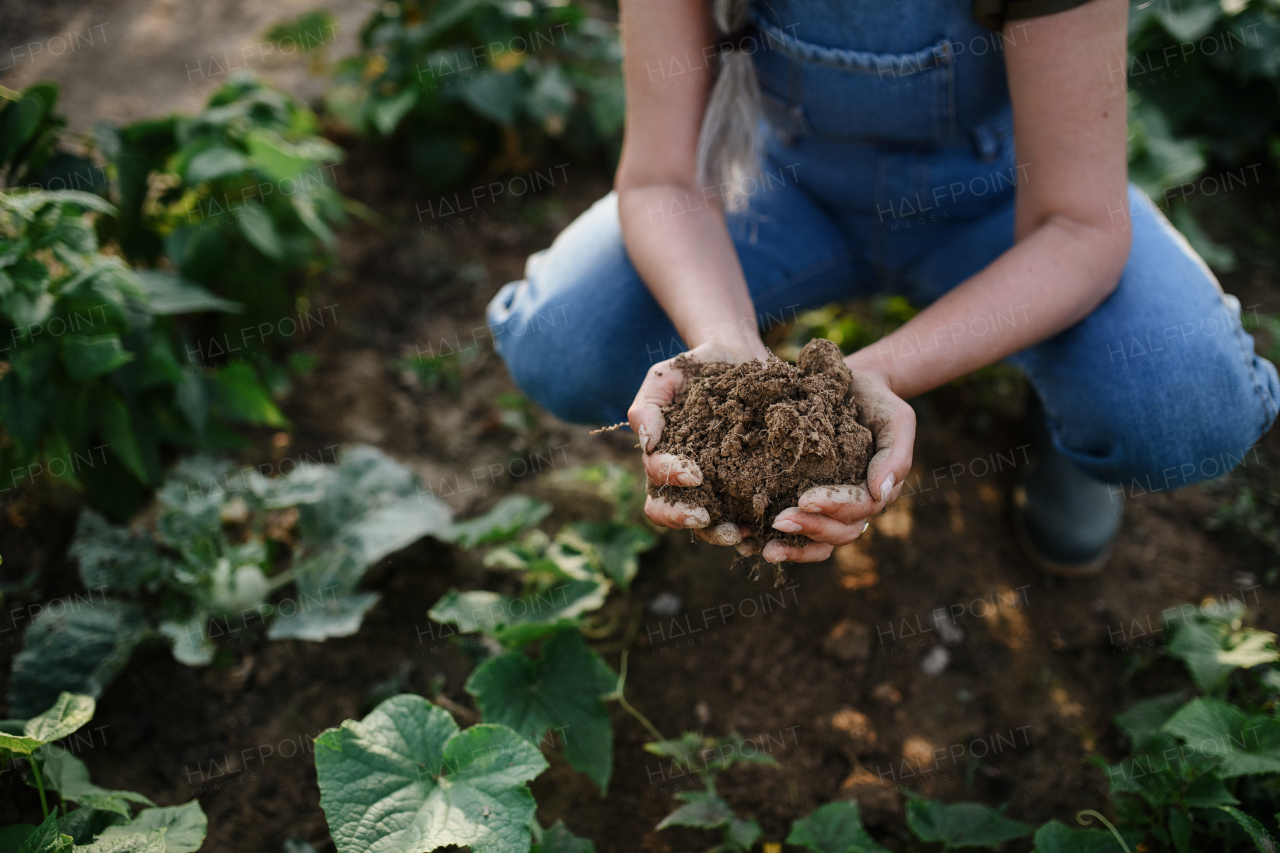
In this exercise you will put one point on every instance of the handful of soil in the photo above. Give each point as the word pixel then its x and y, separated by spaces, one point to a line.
pixel 763 433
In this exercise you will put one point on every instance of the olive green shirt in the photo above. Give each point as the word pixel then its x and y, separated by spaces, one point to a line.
pixel 992 14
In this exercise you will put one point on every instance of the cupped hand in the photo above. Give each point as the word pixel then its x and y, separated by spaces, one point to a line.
pixel 665 469
pixel 837 515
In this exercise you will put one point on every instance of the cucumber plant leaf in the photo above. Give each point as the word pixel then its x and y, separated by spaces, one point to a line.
pixel 514 622
pixel 834 828
pixel 80 650
pixel 962 824
pixel 558 839
pixel 1243 744
pixel 1212 648
pixel 561 689
pixel 1261 838
pixel 141 842
pixel 511 515
pixel 68 775
pixel 47 838
pixel 68 714
pixel 184 827
pixel 406 780
pixel 1143 719
pixel 1056 837
pixel 614 546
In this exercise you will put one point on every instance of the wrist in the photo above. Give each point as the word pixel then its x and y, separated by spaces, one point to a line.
pixel 730 335
pixel 867 361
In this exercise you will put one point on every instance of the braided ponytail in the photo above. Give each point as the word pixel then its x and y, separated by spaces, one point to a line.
pixel 729 142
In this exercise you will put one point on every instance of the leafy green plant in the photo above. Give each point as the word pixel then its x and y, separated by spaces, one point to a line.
pixel 483 83
pixel 102 820
pixel 406 778
pixel 94 389
pixel 225 541
pixel 31 154
pixel 239 198
pixel 540 675
pixel 706 809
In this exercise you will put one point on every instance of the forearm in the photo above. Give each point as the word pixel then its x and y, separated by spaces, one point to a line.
pixel 1044 284
pixel 689 264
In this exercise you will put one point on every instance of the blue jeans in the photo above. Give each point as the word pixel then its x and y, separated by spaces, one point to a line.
pixel 892 172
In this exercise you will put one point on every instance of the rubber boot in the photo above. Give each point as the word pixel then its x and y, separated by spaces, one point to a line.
pixel 1064 519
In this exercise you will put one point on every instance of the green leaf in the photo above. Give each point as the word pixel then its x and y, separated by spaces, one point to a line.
pixel 702 809
pixel 562 689
pixel 144 842
pixel 338 616
pixel 168 294
pixel 834 828
pixel 1261 838
pixel 184 827
pixel 276 159
pixel 118 430
pixel 495 95
pixel 87 356
pixel 405 780
pixel 69 713
pixel 1146 717
pixel 614 546
pixel 47 838
pixel 1180 830
pixel 1212 649
pixel 214 163
pixel 239 396
pixel 12 836
pixel 18 744
pixel 511 515
pixel 521 620
pixel 385 113
pixel 1243 744
pixel 190 645
pixel 259 229
pixel 742 832
pixel 116 557
pixel 81 650
pixel 1057 837
pixel 68 775
pixel 962 824
pixel 558 839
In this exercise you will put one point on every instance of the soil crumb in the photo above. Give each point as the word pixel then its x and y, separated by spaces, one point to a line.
pixel 762 433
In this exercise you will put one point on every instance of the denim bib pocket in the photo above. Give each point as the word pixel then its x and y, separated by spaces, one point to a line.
pixel 842 95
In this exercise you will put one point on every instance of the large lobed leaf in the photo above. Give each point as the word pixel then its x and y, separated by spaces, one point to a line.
pixel 80 650
pixel 562 689
pixel 962 824
pixel 406 780
pixel 834 828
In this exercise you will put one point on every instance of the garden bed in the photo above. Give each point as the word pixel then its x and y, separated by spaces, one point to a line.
pixel 1025 696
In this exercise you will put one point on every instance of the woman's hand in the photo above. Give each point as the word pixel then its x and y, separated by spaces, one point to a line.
pixel 664 469
pixel 837 515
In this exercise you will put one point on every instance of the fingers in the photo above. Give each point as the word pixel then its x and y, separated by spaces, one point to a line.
pixel 677 515
pixel 747 546
pixel 819 528
pixel 666 469
pixel 657 390
pixel 893 424
pixel 847 504
pixel 812 552
pixel 721 534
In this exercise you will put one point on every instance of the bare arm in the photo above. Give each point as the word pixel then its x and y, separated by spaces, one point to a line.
pixel 688 263
pixel 1071 223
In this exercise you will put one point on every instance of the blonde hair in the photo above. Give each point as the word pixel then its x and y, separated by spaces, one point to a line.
pixel 729 142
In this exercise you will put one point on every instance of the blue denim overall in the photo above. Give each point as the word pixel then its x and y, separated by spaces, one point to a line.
pixel 891 169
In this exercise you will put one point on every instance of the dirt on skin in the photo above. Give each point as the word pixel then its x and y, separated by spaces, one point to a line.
pixel 763 433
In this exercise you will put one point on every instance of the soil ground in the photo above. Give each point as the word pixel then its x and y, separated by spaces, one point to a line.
pixel 824 674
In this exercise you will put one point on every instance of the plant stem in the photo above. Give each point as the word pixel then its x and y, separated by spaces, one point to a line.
pixel 35 769
pixel 1085 821
pixel 626 706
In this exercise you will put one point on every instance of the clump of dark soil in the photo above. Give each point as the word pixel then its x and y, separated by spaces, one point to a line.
pixel 762 433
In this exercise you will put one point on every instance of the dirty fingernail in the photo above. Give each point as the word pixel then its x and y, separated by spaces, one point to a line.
pixel 786 525
pixel 693 516
pixel 886 487
pixel 686 479
pixel 865 525
pixel 644 439
pixel 727 534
